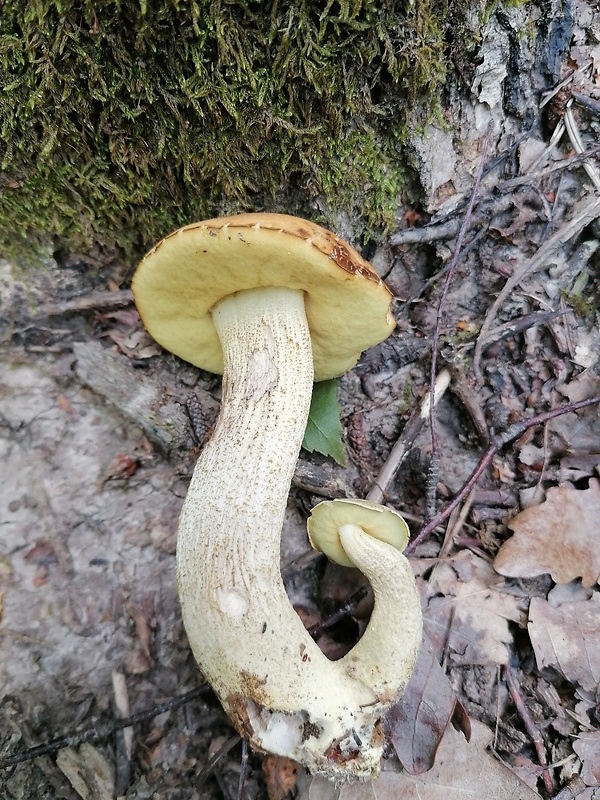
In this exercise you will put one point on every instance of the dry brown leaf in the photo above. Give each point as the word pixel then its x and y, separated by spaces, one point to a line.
pixel 462 770
pixel 281 775
pixel 567 638
pixel 469 617
pixel 411 216
pixel 587 747
pixel 416 724
pixel 560 536
pixel 524 215
pixel 88 771
pixel 123 465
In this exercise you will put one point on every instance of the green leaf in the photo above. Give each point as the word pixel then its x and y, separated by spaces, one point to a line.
pixel 324 429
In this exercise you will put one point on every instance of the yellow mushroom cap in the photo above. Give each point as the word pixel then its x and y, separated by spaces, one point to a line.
pixel 378 521
pixel 182 278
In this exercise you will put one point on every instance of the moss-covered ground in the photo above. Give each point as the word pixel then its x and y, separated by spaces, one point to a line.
pixel 124 119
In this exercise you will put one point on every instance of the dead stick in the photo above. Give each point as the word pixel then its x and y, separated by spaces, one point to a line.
pixel 102 731
pixel 90 302
pixel 516 430
pixel 411 430
pixel 348 608
pixel 212 762
pixel 573 788
pixel 570 229
pixel 243 769
pixel 435 445
pixel 530 727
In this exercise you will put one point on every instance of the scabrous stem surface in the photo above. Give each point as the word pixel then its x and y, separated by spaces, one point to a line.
pixel 274 682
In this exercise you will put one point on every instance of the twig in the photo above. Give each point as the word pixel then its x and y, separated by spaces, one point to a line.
pixel 513 432
pixel 404 443
pixel 435 447
pixel 586 101
pixel 90 302
pixel 461 518
pixel 348 608
pixel 569 79
pixel 522 324
pixel 243 769
pixel 429 233
pixel 530 727
pixel 124 736
pixel 564 164
pixel 575 138
pixel 212 762
pixel 102 731
pixel 574 787
pixel 470 400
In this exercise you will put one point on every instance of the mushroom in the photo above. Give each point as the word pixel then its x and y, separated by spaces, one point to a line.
pixel 358 533
pixel 271 302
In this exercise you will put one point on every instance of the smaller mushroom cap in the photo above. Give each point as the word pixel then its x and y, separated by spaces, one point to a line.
pixel 380 522
pixel 182 278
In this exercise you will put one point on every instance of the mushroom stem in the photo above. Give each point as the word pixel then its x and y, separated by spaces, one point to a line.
pixel 385 656
pixel 228 544
pixel 276 685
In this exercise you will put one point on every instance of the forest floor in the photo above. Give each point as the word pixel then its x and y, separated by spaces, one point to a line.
pixel 99 431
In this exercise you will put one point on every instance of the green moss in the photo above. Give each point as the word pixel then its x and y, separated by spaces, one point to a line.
pixel 127 118
pixel 581 305
pixel 407 400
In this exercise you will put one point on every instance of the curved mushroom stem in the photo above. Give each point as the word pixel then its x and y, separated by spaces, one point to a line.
pixel 276 685
pixel 386 654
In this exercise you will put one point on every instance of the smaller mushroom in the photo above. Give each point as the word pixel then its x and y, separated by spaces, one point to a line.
pixel 358 533
pixel 378 521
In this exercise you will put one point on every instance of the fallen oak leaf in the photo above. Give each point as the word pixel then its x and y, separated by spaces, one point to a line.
pixel 560 536
pixel 587 747
pixel 468 614
pixel 462 770
pixel 567 638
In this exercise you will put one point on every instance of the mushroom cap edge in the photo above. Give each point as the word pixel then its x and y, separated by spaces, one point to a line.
pixel 378 521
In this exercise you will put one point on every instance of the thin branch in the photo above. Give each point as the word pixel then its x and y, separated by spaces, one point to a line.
pixel 89 302
pixel 530 727
pixel 212 762
pixel 513 432
pixel 429 233
pixel 346 610
pixel 243 769
pixel 574 788
pixel 575 139
pixel 102 731
pixel 411 430
pixel 435 446
pixel 522 324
